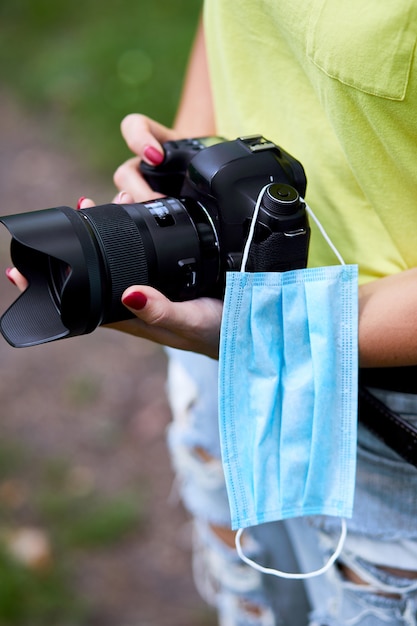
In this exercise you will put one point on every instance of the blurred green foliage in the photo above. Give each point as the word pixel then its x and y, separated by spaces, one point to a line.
pixel 55 497
pixel 30 598
pixel 86 64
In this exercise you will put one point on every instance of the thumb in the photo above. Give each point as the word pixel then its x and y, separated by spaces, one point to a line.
pixel 192 325
pixel 150 305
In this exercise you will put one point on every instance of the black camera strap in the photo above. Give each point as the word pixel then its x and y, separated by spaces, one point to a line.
pixel 402 379
pixel 388 426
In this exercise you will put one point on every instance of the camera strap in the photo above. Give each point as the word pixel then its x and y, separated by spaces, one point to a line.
pixel 388 426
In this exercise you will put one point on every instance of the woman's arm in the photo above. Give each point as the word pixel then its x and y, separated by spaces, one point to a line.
pixel 388 321
pixel 195 115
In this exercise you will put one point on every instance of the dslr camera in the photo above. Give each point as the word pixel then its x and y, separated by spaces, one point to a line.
pixel 78 263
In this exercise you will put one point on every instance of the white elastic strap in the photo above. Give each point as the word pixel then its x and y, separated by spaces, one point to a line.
pixel 289 575
pixel 253 224
pixel 325 235
pixel 252 228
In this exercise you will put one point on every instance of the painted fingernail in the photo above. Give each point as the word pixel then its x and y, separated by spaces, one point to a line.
pixel 135 300
pixel 8 274
pixel 79 203
pixel 153 155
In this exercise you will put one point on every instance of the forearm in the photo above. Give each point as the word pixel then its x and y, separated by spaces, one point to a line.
pixel 195 116
pixel 388 321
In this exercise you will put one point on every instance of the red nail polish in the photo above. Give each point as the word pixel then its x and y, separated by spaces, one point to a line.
pixel 154 156
pixel 135 300
pixel 79 202
pixel 8 270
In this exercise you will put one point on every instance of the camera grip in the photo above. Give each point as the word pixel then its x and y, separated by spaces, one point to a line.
pixel 281 235
pixel 278 253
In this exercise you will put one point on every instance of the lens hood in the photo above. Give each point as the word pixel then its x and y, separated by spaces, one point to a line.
pixel 62 275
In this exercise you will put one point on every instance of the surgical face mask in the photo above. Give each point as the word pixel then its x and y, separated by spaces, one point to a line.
pixel 288 394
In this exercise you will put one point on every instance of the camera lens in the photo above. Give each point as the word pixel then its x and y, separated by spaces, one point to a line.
pixel 78 263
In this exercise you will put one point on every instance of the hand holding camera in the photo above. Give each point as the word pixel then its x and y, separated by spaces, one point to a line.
pixel 79 263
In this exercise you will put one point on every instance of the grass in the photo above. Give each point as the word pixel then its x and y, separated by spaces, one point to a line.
pixel 88 64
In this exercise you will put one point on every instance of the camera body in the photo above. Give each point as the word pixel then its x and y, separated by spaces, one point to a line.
pixel 78 263
pixel 225 178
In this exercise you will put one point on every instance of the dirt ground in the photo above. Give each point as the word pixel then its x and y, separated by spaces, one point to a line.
pixel 117 436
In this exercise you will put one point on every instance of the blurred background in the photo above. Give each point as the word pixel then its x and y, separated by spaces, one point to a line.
pixel 91 529
pixel 86 64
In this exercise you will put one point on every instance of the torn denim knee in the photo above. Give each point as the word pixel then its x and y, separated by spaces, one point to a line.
pixel 382 598
pixel 192 394
pixel 193 398
pixel 200 483
pixel 224 581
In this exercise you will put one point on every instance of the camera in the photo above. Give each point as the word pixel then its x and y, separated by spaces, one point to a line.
pixel 78 263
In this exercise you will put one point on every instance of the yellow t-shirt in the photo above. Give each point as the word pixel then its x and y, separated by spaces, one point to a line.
pixel 334 83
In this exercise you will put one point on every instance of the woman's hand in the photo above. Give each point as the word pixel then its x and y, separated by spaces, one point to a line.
pixel 193 325
pixel 144 138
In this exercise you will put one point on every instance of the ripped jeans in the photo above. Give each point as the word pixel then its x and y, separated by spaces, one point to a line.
pixel 381 534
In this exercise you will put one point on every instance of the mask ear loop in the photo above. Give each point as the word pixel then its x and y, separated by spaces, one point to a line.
pixel 323 232
pixel 289 575
pixel 252 228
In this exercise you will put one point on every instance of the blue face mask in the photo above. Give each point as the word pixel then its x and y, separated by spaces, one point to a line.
pixel 288 393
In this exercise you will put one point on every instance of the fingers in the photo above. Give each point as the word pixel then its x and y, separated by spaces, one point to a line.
pixel 145 137
pixel 192 325
pixel 16 278
pixel 85 203
pixel 123 197
pixel 127 177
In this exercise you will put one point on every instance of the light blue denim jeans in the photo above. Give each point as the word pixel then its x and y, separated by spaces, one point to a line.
pixel 382 532
pixel 222 579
